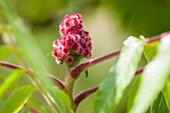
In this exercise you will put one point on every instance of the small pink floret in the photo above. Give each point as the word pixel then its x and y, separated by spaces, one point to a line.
pixel 69 59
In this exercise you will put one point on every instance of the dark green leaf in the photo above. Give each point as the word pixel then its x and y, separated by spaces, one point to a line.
pixel 4 51
pixel 159 105
pixel 120 75
pixel 9 81
pixel 16 101
pixel 86 73
pixel 153 79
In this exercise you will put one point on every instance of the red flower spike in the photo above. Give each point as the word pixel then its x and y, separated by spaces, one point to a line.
pixel 75 43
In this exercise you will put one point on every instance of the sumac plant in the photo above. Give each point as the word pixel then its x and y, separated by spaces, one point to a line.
pixel 148 87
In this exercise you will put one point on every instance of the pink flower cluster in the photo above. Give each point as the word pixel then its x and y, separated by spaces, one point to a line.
pixel 74 44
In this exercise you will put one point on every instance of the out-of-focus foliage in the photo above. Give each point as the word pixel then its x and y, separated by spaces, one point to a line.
pixel 10 81
pixel 4 51
pixel 146 17
pixel 16 101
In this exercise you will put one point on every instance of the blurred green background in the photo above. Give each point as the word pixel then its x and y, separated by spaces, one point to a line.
pixel 109 23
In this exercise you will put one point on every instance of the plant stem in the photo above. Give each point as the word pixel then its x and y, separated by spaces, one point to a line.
pixel 83 95
pixel 156 38
pixel 82 67
pixel 69 84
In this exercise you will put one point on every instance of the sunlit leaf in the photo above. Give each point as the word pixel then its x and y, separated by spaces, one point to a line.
pixel 159 105
pixel 153 79
pixel 4 51
pixel 120 75
pixel 9 81
pixel 16 101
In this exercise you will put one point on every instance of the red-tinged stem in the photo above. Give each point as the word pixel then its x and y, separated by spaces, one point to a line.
pixel 54 80
pixel 156 38
pixel 57 82
pixel 83 95
pixel 86 93
pixel 82 67
pixel 9 65
pixel 76 72
pixel 139 71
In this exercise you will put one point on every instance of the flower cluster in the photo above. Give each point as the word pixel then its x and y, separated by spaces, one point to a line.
pixel 74 44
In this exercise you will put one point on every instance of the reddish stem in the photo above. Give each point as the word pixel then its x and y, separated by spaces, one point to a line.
pixel 9 65
pixel 86 93
pixel 156 38
pixel 76 72
pixel 139 71
pixel 57 82
pixel 83 95
pixel 82 67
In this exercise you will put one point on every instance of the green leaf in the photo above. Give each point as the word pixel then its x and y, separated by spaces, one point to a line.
pixel 37 106
pixel 166 92
pixel 4 51
pixel 31 51
pixel 65 99
pixel 23 110
pixel 9 81
pixel 2 103
pixel 150 51
pixel 16 101
pixel 159 105
pixel 86 73
pixel 119 77
pixel 153 79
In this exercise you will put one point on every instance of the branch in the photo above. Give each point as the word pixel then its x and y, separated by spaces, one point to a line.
pixel 82 67
pixel 54 80
pixel 86 93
